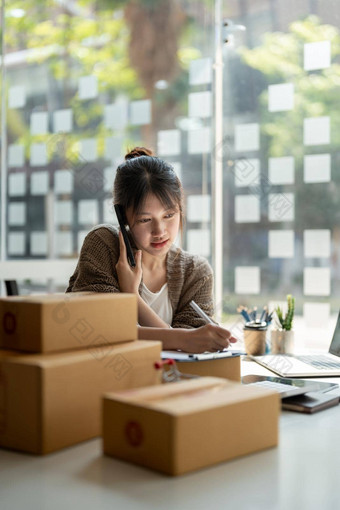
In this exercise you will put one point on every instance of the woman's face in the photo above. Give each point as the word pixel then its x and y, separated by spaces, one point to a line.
pixel 155 228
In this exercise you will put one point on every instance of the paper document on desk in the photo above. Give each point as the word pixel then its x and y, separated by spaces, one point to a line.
pixel 189 356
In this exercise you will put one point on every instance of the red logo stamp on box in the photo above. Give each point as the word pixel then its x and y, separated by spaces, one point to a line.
pixel 134 433
pixel 9 323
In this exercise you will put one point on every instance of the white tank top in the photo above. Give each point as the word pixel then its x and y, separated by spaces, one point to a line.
pixel 159 302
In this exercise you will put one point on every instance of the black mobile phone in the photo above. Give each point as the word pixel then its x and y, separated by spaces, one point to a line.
pixel 124 227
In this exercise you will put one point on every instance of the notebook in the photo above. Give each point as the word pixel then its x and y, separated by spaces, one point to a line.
pixel 308 365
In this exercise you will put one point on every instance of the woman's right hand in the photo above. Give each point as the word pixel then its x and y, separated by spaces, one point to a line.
pixel 129 278
pixel 210 338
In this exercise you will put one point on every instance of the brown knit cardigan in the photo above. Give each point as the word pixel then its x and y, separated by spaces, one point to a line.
pixel 188 276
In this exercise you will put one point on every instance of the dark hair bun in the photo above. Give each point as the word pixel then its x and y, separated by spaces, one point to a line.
pixel 138 151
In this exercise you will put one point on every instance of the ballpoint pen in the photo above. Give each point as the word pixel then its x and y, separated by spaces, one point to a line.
pixel 200 312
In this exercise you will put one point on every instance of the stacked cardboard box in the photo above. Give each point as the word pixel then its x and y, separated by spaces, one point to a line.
pixel 84 345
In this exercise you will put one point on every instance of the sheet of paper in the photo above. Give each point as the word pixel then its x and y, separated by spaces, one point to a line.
pixel 281 97
pixel 88 149
pixel 316 315
pixel 317 243
pixel 16 243
pixel 247 208
pixel 199 208
pixel 169 142
pixel 281 170
pixel 247 172
pixel 113 148
pixel 88 213
pixel 63 121
pixel 247 280
pixel 17 214
pixel 140 112
pixel 17 96
pixel 63 243
pixel 39 123
pixel 116 114
pixel 88 87
pixel 281 206
pixel 317 55
pixel 16 155
pixel 17 184
pixel 39 183
pixel 63 214
pixel 63 181
pixel 199 141
pixel 38 243
pixel 317 168
pixel 247 137
pixel 316 131
pixel 316 281
pixel 281 244
pixel 199 242
pixel 38 155
pixel 200 104
pixel 200 71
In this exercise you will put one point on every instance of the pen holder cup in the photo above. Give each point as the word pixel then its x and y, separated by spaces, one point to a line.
pixel 255 341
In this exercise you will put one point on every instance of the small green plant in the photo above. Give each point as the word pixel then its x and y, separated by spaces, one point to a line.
pixel 286 322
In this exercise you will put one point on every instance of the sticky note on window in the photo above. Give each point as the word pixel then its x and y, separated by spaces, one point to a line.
pixel 247 137
pixel 200 104
pixel 63 121
pixel 38 155
pixel 16 214
pixel 316 281
pixel 247 280
pixel 316 131
pixel 199 141
pixel 108 212
pixel 88 212
pixel 281 170
pixel 88 87
pixel 281 244
pixel 317 243
pixel 247 208
pixel 63 243
pixel 140 112
pixel 247 172
pixel 63 181
pixel 63 213
pixel 316 315
pixel 281 97
pixel 116 114
pixel 16 243
pixel 317 55
pixel 200 71
pixel 168 142
pixel 17 184
pixel 16 96
pixel 198 208
pixel 88 149
pixel 113 147
pixel 16 155
pixel 39 183
pixel 38 242
pixel 39 123
pixel 317 168
pixel 199 242
pixel 281 207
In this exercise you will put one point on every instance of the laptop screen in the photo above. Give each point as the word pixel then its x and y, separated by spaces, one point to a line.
pixel 335 345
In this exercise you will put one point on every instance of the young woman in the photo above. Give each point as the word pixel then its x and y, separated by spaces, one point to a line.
pixel 165 278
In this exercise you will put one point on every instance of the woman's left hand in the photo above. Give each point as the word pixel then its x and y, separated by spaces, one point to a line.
pixel 129 277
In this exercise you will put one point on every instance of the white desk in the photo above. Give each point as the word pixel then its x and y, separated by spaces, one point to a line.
pixel 302 473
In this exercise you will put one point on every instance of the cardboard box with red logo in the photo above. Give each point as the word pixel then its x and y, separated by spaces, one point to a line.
pixel 187 425
pixel 59 322
pixel 50 401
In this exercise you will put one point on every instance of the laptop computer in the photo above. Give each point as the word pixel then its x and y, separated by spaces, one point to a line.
pixel 308 365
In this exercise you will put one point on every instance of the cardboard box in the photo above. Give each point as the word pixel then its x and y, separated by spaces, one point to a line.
pixel 50 401
pixel 58 322
pixel 228 368
pixel 184 426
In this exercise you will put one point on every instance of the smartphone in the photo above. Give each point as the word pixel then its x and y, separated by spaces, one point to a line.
pixel 124 227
